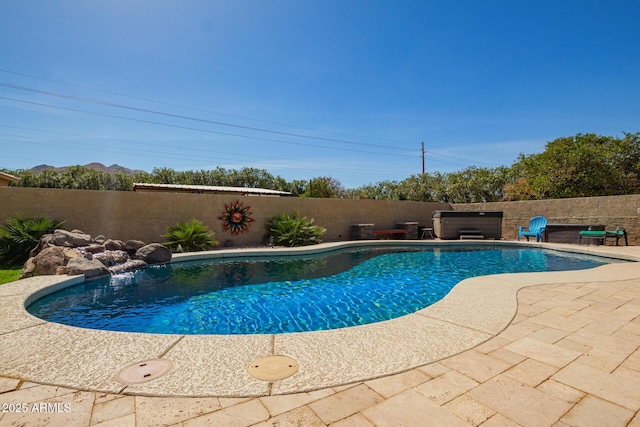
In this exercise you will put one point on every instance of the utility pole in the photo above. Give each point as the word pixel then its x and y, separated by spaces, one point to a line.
pixel 423 157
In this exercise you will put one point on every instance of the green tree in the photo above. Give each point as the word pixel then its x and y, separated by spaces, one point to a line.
pixel 578 166
pixel 296 187
pixel 324 187
pixel 50 179
pixel 78 177
pixel 474 185
pixel 163 176
pixel 382 190
pixel 27 178
pixel 626 158
pixel 122 182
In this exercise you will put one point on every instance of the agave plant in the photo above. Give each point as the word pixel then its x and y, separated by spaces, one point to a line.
pixel 21 234
pixel 293 230
pixel 190 236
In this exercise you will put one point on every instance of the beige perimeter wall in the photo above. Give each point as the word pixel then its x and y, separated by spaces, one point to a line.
pixel 145 216
pixel 612 211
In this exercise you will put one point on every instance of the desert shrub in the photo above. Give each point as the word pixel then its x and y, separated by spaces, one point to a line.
pixel 190 236
pixel 21 234
pixel 293 230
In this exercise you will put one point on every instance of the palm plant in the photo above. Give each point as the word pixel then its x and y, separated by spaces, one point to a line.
pixel 190 236
pixel 293 230
pixel 21 234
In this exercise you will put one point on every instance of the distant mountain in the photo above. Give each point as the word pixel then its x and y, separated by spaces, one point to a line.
pixel 41 168
pixel 95 166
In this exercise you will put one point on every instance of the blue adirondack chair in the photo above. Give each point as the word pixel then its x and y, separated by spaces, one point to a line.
pixel 536 228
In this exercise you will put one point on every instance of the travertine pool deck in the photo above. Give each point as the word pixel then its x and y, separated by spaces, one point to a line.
pixel 490 353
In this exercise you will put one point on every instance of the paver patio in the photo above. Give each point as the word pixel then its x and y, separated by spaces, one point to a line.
pixel 570 357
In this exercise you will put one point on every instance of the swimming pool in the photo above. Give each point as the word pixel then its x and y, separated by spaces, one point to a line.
pixel 342 288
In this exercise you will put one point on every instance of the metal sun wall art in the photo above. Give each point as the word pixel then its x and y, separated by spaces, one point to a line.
pixel 236 217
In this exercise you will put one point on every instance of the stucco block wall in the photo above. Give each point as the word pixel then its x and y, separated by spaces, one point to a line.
pixel 612 211
pixel 146 215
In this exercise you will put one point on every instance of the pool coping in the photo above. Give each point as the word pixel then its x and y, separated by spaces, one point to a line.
pixel 475 310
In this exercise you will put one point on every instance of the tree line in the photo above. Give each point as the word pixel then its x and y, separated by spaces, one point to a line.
pixel 80 177
pixel 576 166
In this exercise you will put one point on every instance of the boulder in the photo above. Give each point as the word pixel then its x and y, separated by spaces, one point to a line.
pixel 95 248
pixel 27 268
pixel 45 241
pixel 111 258
pixel 132 264
pixel 154 253
pixel 74 252
pixel 48 261
pixel 71 239
pixel 114 245
pixel 132 246
pixel 89 267
pixel 70 253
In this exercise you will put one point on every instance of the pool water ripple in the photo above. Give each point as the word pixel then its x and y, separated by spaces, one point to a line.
pixel 342 289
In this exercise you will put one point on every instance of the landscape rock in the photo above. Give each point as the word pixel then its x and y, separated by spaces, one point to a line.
pixel 27 268
pixel 111 258
pixel 154 253
pixel 48 261
pixel 45 241
pixel 71 239
pixel 132 264
pixel 70 253
pixel 133 245
pixel 95 248
pixel 74 252
pixel 113 245
pixel 90 268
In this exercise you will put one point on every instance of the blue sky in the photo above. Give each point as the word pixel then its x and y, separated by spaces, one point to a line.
pixel 305 88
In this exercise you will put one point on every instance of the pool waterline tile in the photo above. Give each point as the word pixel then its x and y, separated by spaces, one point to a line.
pixel 89 359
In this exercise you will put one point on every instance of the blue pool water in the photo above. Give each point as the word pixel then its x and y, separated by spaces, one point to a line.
pixel 254 296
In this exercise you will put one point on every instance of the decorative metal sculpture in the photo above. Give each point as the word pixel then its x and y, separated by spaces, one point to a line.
pixel 236 217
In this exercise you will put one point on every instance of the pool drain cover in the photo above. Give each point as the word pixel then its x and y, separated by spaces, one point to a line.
pixel 142 372
pixel 273 368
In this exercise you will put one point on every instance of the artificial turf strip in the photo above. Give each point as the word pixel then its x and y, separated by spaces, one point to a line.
pixel 9 275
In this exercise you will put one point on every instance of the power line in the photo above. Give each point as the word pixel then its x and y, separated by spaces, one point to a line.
pixel 454 158
pixel 144 110
pixel 183 117
pixel 196 109
pixel 168 155
pixel 219 123
pixel 198 129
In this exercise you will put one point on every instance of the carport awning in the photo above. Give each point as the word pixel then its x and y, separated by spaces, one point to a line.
pixel 7 177
pixel 211 189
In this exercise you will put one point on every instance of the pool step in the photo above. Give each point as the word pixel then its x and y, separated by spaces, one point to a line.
pixel 470 234
pixel 471 237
